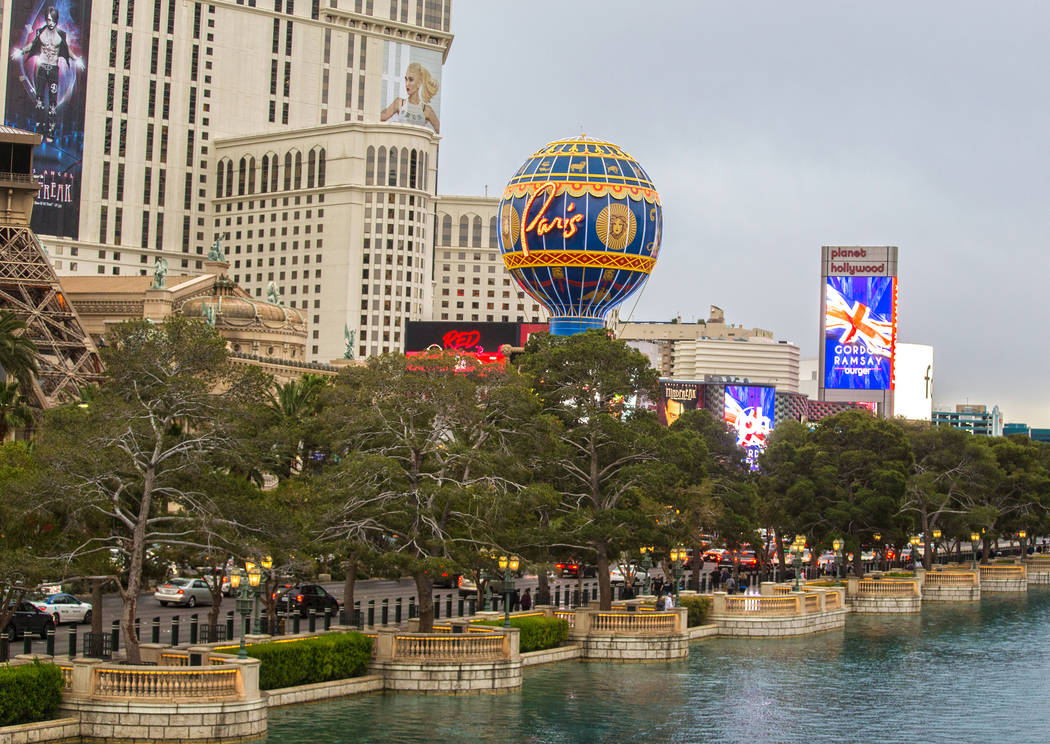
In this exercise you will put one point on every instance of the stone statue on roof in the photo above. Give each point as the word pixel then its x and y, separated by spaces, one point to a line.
pixel 273 295
pixel 160 270
pixel 216 253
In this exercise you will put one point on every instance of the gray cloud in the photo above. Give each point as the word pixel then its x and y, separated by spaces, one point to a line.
pixel 773 128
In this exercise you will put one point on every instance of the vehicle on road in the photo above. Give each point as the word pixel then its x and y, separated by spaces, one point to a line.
pixel 179 591
pixel 28 619
pixel 573 569
pixel 617 577
pixel 64 608
pixel 302 598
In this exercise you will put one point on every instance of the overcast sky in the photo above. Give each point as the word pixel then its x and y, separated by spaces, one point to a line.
pixel 772 128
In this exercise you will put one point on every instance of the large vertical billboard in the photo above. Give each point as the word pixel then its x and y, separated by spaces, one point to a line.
pixel 677 397
pixel 749 412
pixel 411 91
pixel 860 332
pixel 46 91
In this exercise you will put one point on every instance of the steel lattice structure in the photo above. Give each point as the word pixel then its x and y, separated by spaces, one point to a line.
pixel 29 287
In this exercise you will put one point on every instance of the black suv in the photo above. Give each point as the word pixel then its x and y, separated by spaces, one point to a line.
pixel 305 597
pixel 28 619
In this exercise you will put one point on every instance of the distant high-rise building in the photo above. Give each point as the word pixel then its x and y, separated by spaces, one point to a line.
pixel 973 419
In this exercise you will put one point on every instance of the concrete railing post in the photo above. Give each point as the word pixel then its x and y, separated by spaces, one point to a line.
pixel 852 586
pixel 150 652
pixel 718 603
pixel 512 643
pixel 681 619
pixel 385 645
pixel 582 622
pixel 248 679
pixel 920 577
pixel 83 676
pixel 765 589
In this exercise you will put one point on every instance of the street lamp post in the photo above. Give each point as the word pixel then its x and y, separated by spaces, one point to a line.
pixel 878 551
pixel 678 556
pixel 267 564
pixel 837 547
pixel 974 539
pixel 914 540
pixel 936 536
pixel 797 549
pixel 244 606
pixel 1021 535
pixel 507 564
pixel 647 563
pixel 254 576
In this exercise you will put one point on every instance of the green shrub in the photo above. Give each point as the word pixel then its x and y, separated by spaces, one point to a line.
pixel 699 609
pixel 28 693
pixel 537 633
pixel 310 660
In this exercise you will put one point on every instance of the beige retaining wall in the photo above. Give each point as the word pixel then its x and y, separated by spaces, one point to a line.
pixel 871 605
pixel 323 691
pixel 127 721
pixel 697 632
pixel 571 652
pixel 1000 586
pixel 634 648
pixel 773 626
pixel 950 593
pixel 451 678
pixel 57 730
pixel 1039 575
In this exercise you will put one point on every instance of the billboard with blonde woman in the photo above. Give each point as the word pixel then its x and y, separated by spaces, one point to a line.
pixel 411 86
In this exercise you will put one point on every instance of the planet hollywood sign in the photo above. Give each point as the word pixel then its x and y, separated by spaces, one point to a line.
pixel 859 261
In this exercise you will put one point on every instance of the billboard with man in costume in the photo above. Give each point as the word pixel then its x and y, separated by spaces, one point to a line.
pixel 46 91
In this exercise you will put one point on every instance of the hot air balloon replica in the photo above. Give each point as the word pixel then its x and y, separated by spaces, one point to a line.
pixel 580 226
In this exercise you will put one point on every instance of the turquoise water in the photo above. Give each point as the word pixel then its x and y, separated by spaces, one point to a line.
pixel 956 673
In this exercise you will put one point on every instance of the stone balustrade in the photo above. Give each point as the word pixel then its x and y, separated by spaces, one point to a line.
pixel 951 586
pixel 776 613
pixel 635 622
pixel 427 647
pixel 158 682
pixel 1004 578
pixel 1004 571
pixel 950 578
pixel 887 588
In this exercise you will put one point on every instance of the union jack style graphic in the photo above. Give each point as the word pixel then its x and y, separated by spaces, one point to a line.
pixel 749 411
pixel 860 332
pixel 857 324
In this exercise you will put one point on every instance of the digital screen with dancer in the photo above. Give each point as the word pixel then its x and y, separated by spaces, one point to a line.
pixel 46 91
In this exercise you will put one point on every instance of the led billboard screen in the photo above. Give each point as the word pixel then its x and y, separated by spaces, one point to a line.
pixel 860 332
pixel 46 93
pixel 411 85
pixel 678 397
pixel 749 411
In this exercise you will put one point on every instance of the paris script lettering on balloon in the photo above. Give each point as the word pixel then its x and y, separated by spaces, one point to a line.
pixel 542 224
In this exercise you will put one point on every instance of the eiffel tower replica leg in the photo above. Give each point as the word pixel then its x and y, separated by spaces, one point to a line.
pixel 66 355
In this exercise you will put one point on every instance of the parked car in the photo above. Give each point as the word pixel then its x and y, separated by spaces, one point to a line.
pixel 618 578
pixel 64 608
pixel 179 591
pixel 305 597
pixel 573 569
pixel 715 555
pixel 28 619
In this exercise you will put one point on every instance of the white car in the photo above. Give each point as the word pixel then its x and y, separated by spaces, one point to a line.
pixel 65 608
pixel 616 576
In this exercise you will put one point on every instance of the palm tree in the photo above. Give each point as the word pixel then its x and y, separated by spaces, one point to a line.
pixel 17 350
pixel 297 398
pixel 14 413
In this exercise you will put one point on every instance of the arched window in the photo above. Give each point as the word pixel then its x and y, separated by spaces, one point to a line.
pixel 370 166
pixel 288 171
pixel 381 167
pixel 413 170
pixel 392 175
pixel 229 178
pixel 446 230
pixel 475 240
pixel 298 169
pixel 464 230
pixel 321 166
pixel 264 181
pixel 273 171
pixel 241 168
pixel 404 167
pixel 251 175
pixel 220 177
pixel 426 170
pixel 311 168
pixel 493 233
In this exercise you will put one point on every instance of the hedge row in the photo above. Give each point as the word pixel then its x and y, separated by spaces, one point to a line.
pixel 29 692
pixel 310 660
pixel 537 633
pixel 699 609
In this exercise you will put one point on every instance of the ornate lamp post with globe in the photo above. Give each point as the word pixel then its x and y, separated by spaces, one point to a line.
pixel 915 541
pixel 975 538
pixel 798 548
pixel 244 606
pixel 647 563
pixel 936 536
pixel 837 547
pixel 1021 535
pixel 678 556
pixel 508 565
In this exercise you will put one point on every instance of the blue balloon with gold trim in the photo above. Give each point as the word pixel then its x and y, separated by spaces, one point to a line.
pixel 580 226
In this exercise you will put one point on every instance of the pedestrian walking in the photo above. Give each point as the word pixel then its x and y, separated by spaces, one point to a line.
pixel 526 600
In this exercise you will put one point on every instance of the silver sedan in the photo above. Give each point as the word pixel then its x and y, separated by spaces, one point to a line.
pixel 188 592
